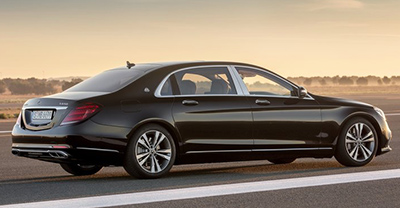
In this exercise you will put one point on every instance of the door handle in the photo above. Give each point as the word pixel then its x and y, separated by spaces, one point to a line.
pixel 190 102
pixel 262 102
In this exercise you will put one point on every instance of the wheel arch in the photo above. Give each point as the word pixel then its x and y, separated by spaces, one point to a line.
pixel 165 124
pixel 369 118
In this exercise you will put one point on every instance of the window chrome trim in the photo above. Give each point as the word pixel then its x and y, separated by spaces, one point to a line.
pixel 237 80
pixel 157 93
pixel 247 93
pixel 240 86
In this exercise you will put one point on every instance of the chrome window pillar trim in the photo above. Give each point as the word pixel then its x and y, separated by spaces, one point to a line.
pixel 235 77
pixel 239 80
pixel 157 93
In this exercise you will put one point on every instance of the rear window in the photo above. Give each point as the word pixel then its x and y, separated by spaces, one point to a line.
pixel 110 81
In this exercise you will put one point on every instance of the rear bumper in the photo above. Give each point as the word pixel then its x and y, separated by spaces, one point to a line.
pixel 86 143
pixel 85 156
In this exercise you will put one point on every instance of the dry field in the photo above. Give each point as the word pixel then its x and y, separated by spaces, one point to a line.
pixel 10 105
pixel 355 90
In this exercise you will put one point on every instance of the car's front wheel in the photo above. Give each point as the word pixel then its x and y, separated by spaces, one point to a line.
pixel 151 152
pixel 357 143
pixel 78 170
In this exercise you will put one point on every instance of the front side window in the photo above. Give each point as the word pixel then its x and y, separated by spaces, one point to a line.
pixel 262 83
pixel 205 81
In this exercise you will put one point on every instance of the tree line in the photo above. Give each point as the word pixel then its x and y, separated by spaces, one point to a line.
pixel 35 86
pixel 49 86
pixel 346 81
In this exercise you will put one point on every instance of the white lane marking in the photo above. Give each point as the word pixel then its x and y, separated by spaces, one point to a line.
pixel 5 132
pixel 209 191
pixel 392 114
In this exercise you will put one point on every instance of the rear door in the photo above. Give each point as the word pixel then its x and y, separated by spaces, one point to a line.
pixel 210 111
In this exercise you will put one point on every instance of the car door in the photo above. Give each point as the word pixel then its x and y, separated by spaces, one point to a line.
pixel 210 112
pixel 281 118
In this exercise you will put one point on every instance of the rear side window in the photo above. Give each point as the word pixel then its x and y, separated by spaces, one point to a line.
pixel 167 88
pixel 107 81
pixel 205 81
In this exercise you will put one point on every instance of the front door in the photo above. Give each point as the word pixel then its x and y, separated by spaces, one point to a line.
pixel 281 119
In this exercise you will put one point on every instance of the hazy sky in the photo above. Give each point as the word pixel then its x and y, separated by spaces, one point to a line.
pixel 54 38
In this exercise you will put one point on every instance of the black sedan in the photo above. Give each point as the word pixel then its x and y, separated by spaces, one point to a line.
pixel 148 117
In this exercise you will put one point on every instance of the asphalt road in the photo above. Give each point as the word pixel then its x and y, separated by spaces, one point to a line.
pixel 26 180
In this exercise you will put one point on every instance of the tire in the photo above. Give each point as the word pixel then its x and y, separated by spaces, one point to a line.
pixel 150 153
pixel 357 143
pixel 78 170
pixel 282 160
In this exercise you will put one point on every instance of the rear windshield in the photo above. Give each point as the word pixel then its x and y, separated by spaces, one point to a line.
pixel 108 81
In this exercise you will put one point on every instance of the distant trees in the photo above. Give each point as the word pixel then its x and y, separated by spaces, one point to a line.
pixel 66 85
pixel 2 86
pixel 29 86
pixel 307 81
pixel 322 82
pixel 335 79
pixel 386 80
pixel 345 81
pixel 362 81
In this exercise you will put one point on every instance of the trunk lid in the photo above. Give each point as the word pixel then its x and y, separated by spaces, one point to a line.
pixel 46 112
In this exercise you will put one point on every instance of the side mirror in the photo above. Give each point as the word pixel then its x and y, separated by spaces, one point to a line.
pixel 302 92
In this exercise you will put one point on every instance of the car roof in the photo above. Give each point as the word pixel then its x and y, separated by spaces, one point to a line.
pixel 148 67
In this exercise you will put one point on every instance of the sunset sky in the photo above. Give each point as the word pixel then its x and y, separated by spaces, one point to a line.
pixel 54 38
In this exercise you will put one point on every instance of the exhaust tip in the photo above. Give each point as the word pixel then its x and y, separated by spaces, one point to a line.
pixel 15 151
pixel 58 154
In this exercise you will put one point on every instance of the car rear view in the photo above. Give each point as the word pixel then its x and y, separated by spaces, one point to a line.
pixel 58 128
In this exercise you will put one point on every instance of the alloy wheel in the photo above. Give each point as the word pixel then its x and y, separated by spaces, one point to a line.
pixel 360 142
pixel 153 151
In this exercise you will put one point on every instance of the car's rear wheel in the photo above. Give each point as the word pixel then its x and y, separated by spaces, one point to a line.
pixel 357 143
pixel 282 160
pixel 151 152
pixel 77 169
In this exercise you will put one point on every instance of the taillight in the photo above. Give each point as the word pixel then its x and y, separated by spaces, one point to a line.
pixel 81 113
